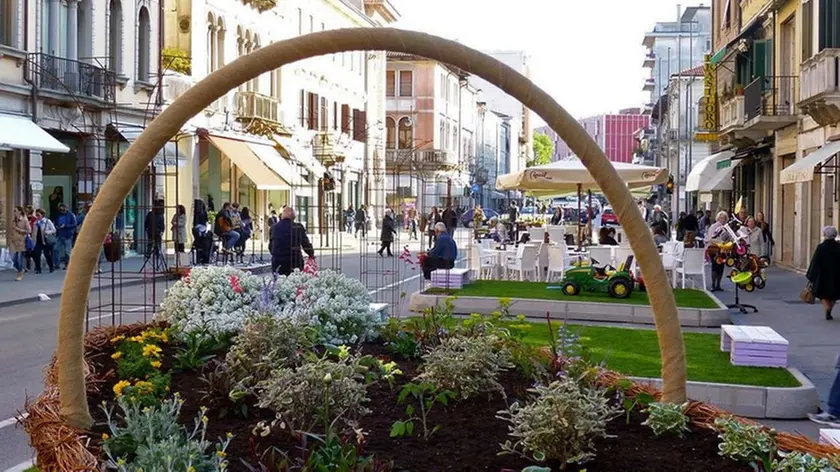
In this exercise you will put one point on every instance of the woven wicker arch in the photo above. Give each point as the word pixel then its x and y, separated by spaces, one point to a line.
pixel 77 283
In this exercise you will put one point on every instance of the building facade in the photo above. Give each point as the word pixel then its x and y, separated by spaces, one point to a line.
pixel 76 80
pixel 500 102
pixel 310 135
pixel 614 133
pixel 494 147
pixel 430 133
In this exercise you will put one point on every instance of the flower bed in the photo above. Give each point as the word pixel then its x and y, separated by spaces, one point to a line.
pixel 432 394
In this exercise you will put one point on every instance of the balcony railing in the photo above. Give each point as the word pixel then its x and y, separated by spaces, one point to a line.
pixel 819 93
pixel 433 157
pixel 649 84
pixel 732 113
pixel 70 77
pixel 770 96
pixel 251 105
pixel 175 84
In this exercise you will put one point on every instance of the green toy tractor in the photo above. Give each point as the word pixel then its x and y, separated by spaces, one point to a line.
pixel 618 283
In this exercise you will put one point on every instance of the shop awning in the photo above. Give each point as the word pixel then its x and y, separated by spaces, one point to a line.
pixel 240 153
pixel 272 157
pixel 169 156
pixel 303 156
pixel 21 133
pixel 803 170
pixel 705 171
pixel 722 180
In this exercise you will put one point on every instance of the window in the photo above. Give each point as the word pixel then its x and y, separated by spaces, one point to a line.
pixel 116 33
pixel 442 136
pixel 345 119
pixel 406 83
pixel 406 133
pixel 275 84
pixel 312 117
pixel 391 133
pixel 144 39
pixel 220 43
pixel 325 114
pixel 303 109
pixel 390 83
pixel 359 125
pixel 8 23
pixel 829 24
pixel 807 29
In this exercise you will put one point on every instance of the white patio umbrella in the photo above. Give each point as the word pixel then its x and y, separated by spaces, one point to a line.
pixel 565 177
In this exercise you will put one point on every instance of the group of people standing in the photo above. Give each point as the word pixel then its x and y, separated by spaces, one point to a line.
pixel 32 236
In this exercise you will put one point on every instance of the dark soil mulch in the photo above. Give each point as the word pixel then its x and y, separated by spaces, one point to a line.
pixel 468 439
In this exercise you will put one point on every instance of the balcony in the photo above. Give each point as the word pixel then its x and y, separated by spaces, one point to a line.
pixel 175 84
pixel 72 78
pixel 329 147
pixel 819 94
pixel 385 8
pixel 253 105
pixel 650 84
pixel 766 106
pixel 436 159
pixel 650 60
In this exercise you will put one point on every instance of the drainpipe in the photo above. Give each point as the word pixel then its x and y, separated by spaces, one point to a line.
pixel 28 62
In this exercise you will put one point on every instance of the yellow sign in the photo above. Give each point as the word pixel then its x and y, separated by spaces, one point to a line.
pixel 706 136
pixel 709 95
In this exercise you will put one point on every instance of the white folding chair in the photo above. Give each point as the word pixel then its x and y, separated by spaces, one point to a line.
pixel 602 254
pixel 557 233
pixel 525 262
pixel 691 262
pixel 483 264
pixel 542 260
pixel 556 262
pixel 621 255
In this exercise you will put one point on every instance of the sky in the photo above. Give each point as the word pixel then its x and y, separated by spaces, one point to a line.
pixel 586 54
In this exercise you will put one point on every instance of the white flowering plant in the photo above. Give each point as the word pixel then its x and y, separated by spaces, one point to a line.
pixel 337 306
pixel 216 300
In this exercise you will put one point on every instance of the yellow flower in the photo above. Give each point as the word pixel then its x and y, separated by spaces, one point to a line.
pixel 144 386
pixel 117 339
pixel 150 350
pixel 204 419
pixel 156 364
pixel 190 469
pixel 221 454
pixel 105 436
pixel 137 339
pixel 229 435
pixel 116 355
pixel 120 386
pixel 163 337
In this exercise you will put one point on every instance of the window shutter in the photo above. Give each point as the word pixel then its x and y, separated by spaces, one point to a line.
pixel 759 57
pixel 325 114
pixel 303 113
pixel 363 135
pixel 390 83
pixel 345 119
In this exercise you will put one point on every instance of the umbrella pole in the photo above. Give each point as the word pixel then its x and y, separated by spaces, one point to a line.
pixel 580 229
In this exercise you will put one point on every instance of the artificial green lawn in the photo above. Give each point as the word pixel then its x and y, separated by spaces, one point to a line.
pixel 636 352
pixel 686 298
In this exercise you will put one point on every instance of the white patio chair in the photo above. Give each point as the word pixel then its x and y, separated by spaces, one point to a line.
pixel 692 261
pixel 525 261
pixel 483 264
pixel 556 262
pixel 621 254
pixel 487 243
pixel 602 254
pixel 557 233
pixel 542 260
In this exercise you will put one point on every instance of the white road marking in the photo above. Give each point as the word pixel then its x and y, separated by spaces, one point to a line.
pixel 12 421
pixel 21 467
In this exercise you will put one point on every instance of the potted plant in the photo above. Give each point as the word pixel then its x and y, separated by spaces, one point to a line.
pixel 739 90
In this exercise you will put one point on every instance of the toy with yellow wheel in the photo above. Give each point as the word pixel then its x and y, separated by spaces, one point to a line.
pixel 744 280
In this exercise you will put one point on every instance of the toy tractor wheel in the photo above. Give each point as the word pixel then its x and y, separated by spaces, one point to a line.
pixel 720 260
pixel 759 282
pixel 730 261
pixel 620 288
pixel 749 288
pixel 571 288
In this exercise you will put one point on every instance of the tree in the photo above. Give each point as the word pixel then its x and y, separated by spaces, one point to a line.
pixel 543 150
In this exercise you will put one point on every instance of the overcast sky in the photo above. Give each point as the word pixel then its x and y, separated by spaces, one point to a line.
pixel 587 54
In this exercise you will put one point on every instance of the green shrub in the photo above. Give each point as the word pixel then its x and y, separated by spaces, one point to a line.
pixel 221 391
pixel 748 443
pixel 319 391
pixel 152 440
pixel 801 462
pixel 667 418
pixel 561 424
pixel 265 343
pixel 466 366
pixel 199 347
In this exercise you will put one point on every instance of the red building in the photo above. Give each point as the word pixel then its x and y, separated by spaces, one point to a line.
pixel 612 132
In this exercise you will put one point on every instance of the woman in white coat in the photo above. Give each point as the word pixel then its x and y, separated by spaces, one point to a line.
pixel 753 236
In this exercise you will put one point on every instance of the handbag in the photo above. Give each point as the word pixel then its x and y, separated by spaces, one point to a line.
pixel 29 243
pixel 807 294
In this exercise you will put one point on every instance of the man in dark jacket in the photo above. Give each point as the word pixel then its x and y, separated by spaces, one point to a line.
pixel 287 240
pixel 360 220
pixel 387 235
pixel 442 255
pixel 450 219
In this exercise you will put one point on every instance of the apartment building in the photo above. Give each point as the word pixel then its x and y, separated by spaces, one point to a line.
pixel 495 147
pixel 614 133
pixel 309 135
pixel 430 128
pixel 76 80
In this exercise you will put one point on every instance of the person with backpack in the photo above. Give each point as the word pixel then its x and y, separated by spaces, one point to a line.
pixel 66 223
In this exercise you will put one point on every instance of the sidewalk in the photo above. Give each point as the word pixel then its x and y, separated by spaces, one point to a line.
pixel 814 342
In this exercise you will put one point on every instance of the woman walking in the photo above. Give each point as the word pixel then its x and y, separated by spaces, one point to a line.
pixel 824 272
pixel 178 226
pixel 433 219
pixel 717 234
pixel 387 236
pixel 17 239
pixel 44 240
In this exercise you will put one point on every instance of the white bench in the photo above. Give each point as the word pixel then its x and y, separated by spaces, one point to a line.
pixel 757 346
pixel 450 278
pixel 830 437
pixel 380 309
